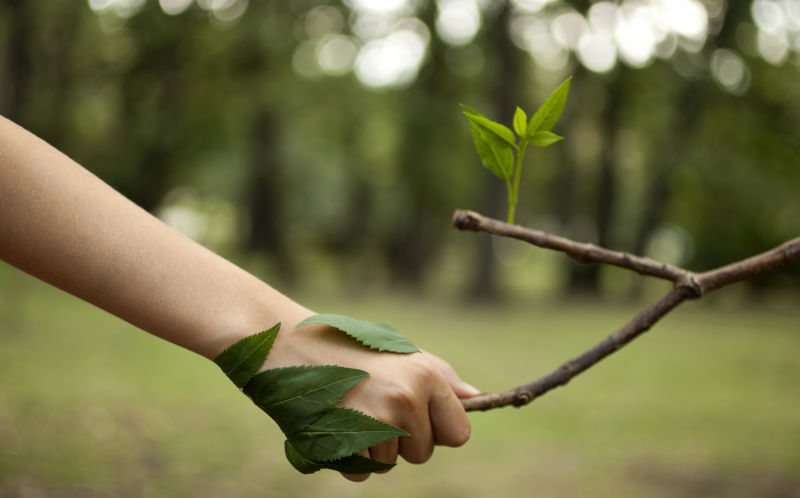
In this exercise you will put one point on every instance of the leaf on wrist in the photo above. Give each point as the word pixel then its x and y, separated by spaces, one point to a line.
pixel 378 336
pixel 302 399
pixel 341 432
pixel 294 393
pixel 241 360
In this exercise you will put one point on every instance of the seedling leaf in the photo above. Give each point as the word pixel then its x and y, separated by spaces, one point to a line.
pixel 520 122
pixel 496 155
pixel 546 116
pixel 378 336
pixel 489 126
pixel 545 138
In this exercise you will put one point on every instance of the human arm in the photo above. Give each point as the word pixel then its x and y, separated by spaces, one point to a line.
pixel 65 226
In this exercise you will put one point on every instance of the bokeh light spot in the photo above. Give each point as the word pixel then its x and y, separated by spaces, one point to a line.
pixel 597 53
pixel 730 71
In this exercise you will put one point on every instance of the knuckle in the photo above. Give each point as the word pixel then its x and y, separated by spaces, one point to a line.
pixel 427 372
pixel 402 398
pixel 421 455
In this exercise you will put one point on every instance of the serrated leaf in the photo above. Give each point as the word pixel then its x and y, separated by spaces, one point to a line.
pixel 490 127
pixel 378 336
pixel 353 464
pixel 357 464
pixel 341 432
pixel 546 116
pixel 545 138
pixel 295 393
pixel 520 122
pixel 298 461
pixel 241 360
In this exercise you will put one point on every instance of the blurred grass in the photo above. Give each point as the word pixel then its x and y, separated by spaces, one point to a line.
pixel 706 404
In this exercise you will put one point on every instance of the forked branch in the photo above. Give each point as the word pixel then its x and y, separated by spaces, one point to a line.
pixel 687 285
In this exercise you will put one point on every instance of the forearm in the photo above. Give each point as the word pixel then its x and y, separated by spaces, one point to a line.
pixel 65 226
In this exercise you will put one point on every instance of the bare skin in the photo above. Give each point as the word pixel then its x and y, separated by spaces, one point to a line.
pixel 65 226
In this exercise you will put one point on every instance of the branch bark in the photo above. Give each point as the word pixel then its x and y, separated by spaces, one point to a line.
pixel 687 285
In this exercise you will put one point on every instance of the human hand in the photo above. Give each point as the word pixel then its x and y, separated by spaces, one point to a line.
pixel 416 392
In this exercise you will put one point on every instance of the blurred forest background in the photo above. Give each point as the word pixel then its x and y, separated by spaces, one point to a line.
pixel 320 145
pixel 316 136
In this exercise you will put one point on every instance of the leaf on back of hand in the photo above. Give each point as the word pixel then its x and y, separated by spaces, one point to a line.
pixel 546 116
pixel 241 360
pixel 378 336
pixel 339 433
pixel 295 393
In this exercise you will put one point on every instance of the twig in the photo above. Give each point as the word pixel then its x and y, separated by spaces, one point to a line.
pixel 687 285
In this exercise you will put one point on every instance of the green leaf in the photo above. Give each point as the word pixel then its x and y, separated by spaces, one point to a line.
pixel 340 432
pixel 356 464
pixel 378 336
pixel 496 155
pixel 545 138
pixel 547 115
pixel 298 461
pixel 294 393
pixel 353 464
pixel 520 122
pixel 489 126
pixel 241 360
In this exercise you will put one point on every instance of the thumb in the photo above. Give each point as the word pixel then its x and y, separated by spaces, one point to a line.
pixel 459 387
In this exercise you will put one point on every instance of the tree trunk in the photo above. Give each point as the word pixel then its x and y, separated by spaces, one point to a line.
pixel 505 95
pixel 18 61
pixel 264 197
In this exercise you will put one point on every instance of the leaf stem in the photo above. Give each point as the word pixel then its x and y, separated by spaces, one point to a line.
pixel 513 193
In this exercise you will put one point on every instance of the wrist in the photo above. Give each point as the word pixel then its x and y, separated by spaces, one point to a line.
pixel 253 312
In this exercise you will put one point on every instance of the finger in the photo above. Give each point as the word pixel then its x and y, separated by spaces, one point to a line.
pixel 385 452
pixel 358 477
pixel 417 447
pixel 451 426
pixel 459 387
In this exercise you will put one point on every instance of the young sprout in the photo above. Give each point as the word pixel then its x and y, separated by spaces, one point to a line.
pixel 502 152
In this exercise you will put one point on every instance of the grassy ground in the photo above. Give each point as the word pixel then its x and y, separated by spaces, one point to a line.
pixel 704 405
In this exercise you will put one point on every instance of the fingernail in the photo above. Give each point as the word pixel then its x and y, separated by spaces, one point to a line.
pixel 472 389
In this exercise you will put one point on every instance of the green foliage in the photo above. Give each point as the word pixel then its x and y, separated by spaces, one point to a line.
pixel 298 392
pixel 242 360
pixel 302 399
pixel 496 144
pixel 339 432
pixel 378 336
pixel 496 152
pixel 547 115
pixel 353 464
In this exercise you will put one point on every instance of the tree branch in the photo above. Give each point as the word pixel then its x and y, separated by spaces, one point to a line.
pixel 687 285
